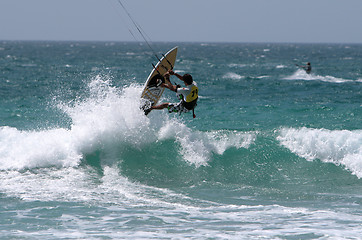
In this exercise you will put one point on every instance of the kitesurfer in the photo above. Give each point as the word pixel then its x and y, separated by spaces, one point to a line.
pixel 188 95
pixel 307 68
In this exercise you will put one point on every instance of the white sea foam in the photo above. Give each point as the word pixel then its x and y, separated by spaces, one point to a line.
pixel 108 116
pixel 30 149
pixel 232 75
pixel 106 120
pixel 281 66
pixel 197 147
pixel 237 65
pixel 140 211
pixel 302 75
pixel 341 147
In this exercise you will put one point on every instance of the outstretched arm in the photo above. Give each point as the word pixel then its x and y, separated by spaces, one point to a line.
pixel 176 74
pixel 301 66
pixel 167 83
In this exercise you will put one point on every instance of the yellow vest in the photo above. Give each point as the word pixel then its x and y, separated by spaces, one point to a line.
pixel 194 94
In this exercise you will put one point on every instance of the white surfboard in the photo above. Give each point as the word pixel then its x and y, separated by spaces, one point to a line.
pixel 152 90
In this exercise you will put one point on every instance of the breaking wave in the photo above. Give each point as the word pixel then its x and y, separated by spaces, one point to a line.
pixel 110 120
pixel 340 147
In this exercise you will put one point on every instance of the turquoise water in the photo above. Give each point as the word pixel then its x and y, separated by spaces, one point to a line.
pixel 274 153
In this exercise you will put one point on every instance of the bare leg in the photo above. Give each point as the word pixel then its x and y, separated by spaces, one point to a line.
pixel 161 106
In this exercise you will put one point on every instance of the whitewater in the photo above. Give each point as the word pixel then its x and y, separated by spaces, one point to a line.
pixel 274 153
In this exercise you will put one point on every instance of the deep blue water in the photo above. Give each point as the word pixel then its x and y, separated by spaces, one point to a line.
pixel 274 153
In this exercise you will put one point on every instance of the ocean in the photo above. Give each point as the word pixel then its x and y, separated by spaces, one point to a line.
pixel 273 153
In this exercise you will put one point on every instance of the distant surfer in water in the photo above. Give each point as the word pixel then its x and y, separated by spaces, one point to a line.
pixel 188 95
pixel 307 68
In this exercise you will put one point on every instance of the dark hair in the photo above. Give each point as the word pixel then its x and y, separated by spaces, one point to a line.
pixel 187 78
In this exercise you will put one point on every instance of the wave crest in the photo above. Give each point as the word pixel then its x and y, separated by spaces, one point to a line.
pixel 341 147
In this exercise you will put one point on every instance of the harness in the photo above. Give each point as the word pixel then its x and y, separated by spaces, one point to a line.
pixel 191 100
pixel 191 106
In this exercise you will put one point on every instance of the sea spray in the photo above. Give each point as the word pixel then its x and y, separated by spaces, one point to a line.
pixel 31 149
pixel 302 75
pixel 106 117
pixel 108 120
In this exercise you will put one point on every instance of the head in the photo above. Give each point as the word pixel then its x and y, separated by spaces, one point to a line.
pixel 308 63
pixel 187 78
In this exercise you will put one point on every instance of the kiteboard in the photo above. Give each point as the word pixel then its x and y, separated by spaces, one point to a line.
pixel 152 90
